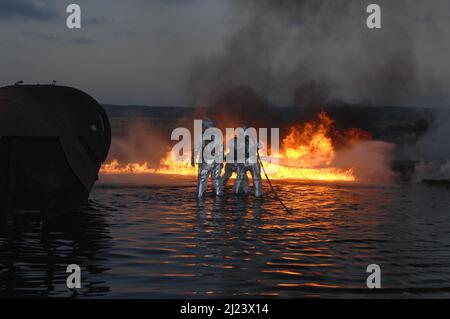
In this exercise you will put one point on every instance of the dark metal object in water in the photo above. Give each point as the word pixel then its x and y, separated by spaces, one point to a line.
pixel 53 140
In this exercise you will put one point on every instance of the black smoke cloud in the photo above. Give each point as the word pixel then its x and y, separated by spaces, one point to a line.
pixel 313 51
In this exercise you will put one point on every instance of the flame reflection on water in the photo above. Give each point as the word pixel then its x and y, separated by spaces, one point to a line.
pixel 157 241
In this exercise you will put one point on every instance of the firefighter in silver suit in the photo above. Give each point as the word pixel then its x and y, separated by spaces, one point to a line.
pixel 232 166
pixel 249 164
pixel 206 166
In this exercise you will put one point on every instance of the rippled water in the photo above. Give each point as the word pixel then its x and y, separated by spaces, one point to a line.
pixel 156 241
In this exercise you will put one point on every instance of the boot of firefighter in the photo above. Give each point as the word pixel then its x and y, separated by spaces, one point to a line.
pixel 257 180
pixel 245 185
pixel 229 170
pixel 217 178
pixel 240 180
pixel 202 179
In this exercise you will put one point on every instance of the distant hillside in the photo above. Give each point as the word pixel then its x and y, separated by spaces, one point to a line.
pixel 390 123
pixel 145 111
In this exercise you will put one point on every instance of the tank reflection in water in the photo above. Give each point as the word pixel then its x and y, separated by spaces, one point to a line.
pixel 34 257
pixel 156 241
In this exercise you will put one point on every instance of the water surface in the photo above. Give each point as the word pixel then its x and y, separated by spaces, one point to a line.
pixel 157 241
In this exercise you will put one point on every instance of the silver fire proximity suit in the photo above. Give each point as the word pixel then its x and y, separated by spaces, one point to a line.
pixel 206 167
pixel 251 164
pixel 232 167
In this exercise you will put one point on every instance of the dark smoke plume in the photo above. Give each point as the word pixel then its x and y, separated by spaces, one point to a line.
pixel 308 52
pixel 241 106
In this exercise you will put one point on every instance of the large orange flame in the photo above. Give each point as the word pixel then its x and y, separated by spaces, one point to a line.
pixel 306 153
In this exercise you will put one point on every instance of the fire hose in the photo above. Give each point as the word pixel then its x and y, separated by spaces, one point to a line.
pixel 271 186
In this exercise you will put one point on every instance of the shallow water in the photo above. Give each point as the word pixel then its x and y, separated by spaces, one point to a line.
pixel 156 241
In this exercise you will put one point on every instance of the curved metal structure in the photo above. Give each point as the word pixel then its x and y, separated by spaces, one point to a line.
pixel 53 140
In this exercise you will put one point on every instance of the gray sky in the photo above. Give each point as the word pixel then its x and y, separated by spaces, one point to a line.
pixel 127 52
pixel 182 52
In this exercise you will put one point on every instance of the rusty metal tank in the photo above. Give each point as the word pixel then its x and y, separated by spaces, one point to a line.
pixel 53 140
